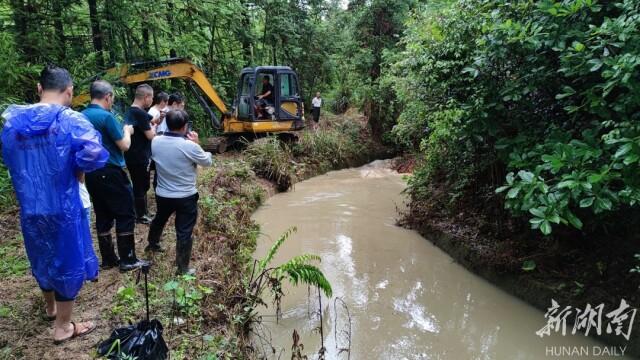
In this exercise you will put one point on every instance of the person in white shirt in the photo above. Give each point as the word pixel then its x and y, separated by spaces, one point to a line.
pixel 177 155
pixel 86 201
pixel 316 104
pixel 175 102
pixel 159 108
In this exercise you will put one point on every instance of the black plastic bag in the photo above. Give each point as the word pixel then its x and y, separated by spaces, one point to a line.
pixel 142 341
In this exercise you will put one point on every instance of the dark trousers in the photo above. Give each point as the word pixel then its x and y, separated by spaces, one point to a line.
pixel 186 210
pixel 112 198
pixel 316 114
pixel 141 178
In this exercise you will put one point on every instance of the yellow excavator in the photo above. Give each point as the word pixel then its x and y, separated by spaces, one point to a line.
pixel 246 116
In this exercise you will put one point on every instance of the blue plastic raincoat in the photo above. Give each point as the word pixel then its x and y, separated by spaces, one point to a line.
pixel 44 146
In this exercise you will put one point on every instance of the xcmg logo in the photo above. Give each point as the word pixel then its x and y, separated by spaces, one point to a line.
pixel 158 74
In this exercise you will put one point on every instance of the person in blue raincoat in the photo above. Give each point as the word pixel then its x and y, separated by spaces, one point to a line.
pixel 47 147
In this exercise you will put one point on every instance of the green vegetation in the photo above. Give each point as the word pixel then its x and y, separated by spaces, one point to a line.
pixel 534 100
pixel 14 262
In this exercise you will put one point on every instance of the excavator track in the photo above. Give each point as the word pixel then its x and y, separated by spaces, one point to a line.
pixel 217 144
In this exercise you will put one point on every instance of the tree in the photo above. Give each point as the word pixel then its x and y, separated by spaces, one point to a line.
pixel 96 32
pixel 377 28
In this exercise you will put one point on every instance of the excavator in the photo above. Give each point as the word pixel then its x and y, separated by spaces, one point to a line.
pixel 245 118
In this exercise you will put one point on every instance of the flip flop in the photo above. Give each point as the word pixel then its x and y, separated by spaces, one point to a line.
pixel 48 317
pixel 75 333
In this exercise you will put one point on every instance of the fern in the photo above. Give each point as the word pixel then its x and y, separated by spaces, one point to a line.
pixel 298 270
pixel 274 248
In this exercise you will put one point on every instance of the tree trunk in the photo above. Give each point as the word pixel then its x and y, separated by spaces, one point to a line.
pixel 146 42
pixel 58 25
pixel 96 33
pixel 245 37
pixel 111 41
pixel 21 11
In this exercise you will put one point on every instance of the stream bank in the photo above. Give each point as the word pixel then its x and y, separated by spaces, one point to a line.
pixel 571 268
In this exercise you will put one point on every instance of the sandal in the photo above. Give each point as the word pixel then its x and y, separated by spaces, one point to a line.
pixel 88 329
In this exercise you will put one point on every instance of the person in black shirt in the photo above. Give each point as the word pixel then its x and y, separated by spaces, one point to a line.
pixel 139 153
pixel 265 98
pixel 267 91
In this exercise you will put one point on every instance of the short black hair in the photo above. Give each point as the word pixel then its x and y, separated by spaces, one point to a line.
pixel 99 89
pixel 175 98
pixel 160 97
pixel 176 119
pixel 55 78
pixel 143 90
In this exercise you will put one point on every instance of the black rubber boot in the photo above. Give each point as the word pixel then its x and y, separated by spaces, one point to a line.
pixel 127 251
pixel 155 235
pixel 183 257
pixel 107 252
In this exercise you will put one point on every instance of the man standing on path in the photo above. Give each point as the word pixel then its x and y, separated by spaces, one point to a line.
pixel 109 187
pixel 316 104
pixel 47 147
pixel 139 155
pixel 176 161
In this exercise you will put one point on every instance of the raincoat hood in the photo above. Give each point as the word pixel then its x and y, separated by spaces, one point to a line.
pixel 34 119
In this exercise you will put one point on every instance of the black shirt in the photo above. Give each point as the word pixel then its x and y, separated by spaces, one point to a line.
pixel 140 151
pixel 266 88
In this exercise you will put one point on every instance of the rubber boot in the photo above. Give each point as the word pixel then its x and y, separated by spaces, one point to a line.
pixel 155 235
pixel 183 257
pixel 127 252
pixel 107 251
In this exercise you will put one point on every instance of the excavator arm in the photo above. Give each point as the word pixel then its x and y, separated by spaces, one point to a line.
pixel 172 69
pixel 184 70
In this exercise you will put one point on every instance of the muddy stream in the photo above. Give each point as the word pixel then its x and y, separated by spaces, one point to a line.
pixel 406 298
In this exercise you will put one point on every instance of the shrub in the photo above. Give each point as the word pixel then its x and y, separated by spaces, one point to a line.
pixel 545 92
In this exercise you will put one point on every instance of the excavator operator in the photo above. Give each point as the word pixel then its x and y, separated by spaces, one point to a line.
pixel 265 98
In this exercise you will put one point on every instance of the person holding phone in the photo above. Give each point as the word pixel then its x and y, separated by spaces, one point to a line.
pixel 177 155
pixel 109 187
pixel 139 155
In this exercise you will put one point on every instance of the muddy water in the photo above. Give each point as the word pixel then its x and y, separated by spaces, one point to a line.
pixel 406 298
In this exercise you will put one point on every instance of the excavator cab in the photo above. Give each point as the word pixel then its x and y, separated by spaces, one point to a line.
pixel 286 103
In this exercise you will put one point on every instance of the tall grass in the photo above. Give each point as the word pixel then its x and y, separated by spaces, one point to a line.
pixel 272 159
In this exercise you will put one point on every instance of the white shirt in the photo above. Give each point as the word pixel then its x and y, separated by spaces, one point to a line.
pixel 155 112
pixel 84 196
pixel 316 102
